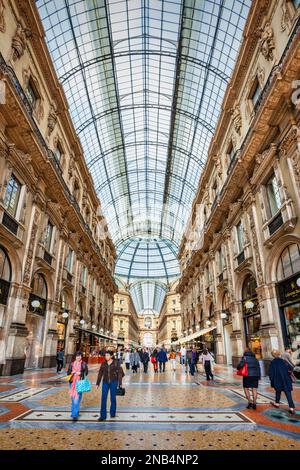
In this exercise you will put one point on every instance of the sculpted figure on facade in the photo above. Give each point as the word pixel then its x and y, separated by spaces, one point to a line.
pixel 267 43
pixel 52 120
pixel 237 119
pixel 19 42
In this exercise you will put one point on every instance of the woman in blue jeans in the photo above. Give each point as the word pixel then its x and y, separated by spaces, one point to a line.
pixel 112 374
pixel 77 370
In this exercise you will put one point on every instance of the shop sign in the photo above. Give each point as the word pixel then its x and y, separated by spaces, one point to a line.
pixel 289 290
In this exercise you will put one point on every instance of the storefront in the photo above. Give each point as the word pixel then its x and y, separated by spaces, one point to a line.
pixel 251 316
pixel 288 293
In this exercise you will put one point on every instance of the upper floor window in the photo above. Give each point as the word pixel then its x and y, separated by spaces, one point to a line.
pixel 121 324
pixel 122 301
pixel 240 236
pixel 69 260
pixel 32 94
pixel 273 195
pixel 83 276
pixel 255 92
pixel 289 262
pixel 12 195
pixel 174 324
pixel 48 236
pixel 221 260
pixel 174 301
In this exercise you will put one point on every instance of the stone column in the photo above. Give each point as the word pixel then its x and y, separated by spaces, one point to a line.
pixel 50 336
pixel 270 330
pixel 16 330
pixel 238 334
pixel 220 348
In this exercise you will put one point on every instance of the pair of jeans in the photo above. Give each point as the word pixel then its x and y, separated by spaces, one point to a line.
pixel 127 365
pixel 76 405
pixel 145 367
pixel 207 368
pixel 60 364
pixel 106 387
pixel 162 365
pixel 288 397
pixel 182 360
pixel 192 368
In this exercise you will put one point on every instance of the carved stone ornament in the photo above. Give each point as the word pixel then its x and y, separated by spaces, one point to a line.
pixel 237 119
pixel 218 165
pixel 31 248
pixel 19 42
pixel 295 160
pixel 52 119
pixel 285 17
pixel 266 42
pixel 39 108
pixel 2 19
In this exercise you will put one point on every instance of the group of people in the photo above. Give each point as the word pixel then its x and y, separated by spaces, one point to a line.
pixel 280 374
pixel 136 358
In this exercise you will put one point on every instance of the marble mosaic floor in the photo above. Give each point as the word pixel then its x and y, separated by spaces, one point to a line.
pixel 162 411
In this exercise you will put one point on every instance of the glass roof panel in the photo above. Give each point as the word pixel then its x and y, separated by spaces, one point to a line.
pixel 144 80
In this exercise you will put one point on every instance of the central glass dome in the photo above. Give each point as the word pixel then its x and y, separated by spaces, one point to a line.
pixel 147 258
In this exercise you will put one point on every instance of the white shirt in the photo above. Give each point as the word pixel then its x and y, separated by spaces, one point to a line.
pixel 127 357
pixel 183 351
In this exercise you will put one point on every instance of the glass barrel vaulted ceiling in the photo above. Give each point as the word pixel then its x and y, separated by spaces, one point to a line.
pixel 145 80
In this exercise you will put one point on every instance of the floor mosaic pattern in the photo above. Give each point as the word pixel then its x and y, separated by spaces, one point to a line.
pixel 163 411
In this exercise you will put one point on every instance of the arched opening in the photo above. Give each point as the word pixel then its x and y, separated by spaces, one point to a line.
pixel 5 276
pixel 35 321
pixel 251 315
pixel 148 340
pixel 288 291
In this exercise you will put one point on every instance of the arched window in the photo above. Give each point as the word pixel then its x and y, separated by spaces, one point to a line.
pixel 289 262
pixel 249 288
pixel 38 295
pixel 5 276
pixel 148 322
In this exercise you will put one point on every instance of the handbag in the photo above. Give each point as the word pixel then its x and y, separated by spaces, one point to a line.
pixel 83 386
pixel 244 370
pixel 120 391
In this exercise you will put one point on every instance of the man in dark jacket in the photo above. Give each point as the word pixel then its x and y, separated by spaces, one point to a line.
pixel 112 373
pixel 162 359
pixel 280 373
pixel 145 358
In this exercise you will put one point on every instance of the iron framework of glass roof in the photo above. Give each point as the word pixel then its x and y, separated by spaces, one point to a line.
pixel 144 80
pixel 148 296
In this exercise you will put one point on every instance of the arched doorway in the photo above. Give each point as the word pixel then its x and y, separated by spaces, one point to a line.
pixel 148 340
pixel 288 291
pixel 5 276
pixel 251 315
pixel 35 321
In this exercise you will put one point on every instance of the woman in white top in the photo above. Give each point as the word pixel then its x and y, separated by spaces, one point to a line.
pixel 127 359
pixel 207 361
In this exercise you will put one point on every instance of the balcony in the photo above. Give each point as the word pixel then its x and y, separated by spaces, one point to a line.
pixel 10 223
pixel 284 221
pixel 244 258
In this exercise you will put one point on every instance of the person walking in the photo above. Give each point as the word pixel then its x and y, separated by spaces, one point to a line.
pixel 207 361
pixel 154 360
pixel 280 373
pixel 162 359
pixel 134 361
pixel 145 358
pixel 253 377
pixel 77 370
pixel 120 355
pixel 127 359
pixel 182 355
pixel 60 357
pixel 287 356
pixel 112 374
pixel 172 358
